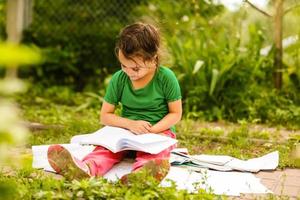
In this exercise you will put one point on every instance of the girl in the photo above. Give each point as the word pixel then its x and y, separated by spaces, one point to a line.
pixel 151 103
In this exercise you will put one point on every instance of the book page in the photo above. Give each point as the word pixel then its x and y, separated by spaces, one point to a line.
pixel 214 159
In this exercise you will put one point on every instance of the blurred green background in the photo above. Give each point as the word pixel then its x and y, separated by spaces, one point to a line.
pixel 221 51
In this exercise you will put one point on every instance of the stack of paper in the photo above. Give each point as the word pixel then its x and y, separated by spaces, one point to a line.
pixel 225 163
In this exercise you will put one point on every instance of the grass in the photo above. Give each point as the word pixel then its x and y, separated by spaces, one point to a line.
pixel 78 113
pixel 25 186
pixel 52 109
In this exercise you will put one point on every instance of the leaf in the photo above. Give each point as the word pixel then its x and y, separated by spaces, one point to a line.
pixel 214 79
pixel 12 55
pixel 197 66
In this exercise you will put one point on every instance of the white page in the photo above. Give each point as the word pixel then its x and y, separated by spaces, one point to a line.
pixel 228 183
pixel 107 136
pixel 213 166
pixel 235 182
pixel 152 148
pixel 152 138
pixel 266 162
pixel 214 159
pixel 181 150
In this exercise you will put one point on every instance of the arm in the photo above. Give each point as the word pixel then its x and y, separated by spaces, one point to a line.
pixel 174 116
pixel 109 118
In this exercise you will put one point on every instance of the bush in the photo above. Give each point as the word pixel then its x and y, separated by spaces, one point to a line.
pixel 219 66
pixel 78 40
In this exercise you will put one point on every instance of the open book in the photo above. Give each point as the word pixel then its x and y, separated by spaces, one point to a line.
pixel 119 139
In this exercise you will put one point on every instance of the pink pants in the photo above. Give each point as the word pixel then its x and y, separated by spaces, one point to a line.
pixel 102 160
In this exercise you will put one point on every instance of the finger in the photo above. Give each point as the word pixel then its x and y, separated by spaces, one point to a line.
pixel 147 127
pixel 144 130
pixel 141 132
pixel 137 131
pixel 148 123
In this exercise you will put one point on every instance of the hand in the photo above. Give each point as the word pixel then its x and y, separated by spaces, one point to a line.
pixel 139 126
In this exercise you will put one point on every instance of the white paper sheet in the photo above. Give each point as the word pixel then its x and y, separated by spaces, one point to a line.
pixel 227 183
pixel 266 162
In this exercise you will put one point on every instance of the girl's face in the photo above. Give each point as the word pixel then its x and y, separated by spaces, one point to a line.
pixel 136 68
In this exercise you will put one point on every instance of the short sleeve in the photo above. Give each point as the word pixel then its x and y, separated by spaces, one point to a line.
pixel 112 94
pixel 171 87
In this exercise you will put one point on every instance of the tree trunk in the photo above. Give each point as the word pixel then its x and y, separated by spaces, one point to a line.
pixel 14 28
pixel 277 74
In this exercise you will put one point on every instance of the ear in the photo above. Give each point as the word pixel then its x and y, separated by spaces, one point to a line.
pixel 155 59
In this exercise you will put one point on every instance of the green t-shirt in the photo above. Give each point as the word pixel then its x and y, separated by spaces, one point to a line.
pixel 149 103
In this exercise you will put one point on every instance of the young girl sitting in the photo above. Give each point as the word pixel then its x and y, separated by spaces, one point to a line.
pixel 151 103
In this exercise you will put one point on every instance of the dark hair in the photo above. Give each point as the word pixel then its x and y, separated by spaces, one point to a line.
pixel 139 39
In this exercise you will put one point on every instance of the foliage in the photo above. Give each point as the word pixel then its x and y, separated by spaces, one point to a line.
pixel 215 54
pixel 11 131
pixel 53 107
pixel 12 55
pixel 2 19
pixel 275 108
pixel 28 184
pixel 221 71
pixel 42 187
pixel 240 143
pixel 77 40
